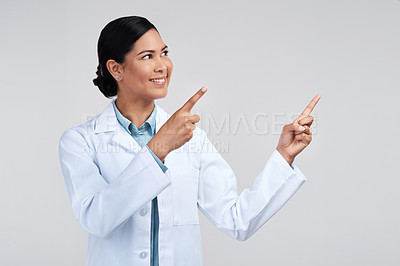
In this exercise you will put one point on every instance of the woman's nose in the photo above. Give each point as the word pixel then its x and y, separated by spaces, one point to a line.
pixel 160 66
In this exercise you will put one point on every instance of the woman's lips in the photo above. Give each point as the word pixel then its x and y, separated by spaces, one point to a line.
pixel 158 81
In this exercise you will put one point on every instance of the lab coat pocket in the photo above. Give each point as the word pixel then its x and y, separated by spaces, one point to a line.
pixel 184 187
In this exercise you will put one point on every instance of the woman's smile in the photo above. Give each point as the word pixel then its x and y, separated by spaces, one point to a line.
pixel 147 70
pixel 159 81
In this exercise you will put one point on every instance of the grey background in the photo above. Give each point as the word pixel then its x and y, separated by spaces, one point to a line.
pixel 261 60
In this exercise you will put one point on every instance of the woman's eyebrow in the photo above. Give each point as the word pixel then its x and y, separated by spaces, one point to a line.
pixel 151 51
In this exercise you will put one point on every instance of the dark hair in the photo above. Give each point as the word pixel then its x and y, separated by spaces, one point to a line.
pixel 115 41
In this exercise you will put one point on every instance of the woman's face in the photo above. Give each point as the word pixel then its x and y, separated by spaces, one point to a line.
pixel 147 69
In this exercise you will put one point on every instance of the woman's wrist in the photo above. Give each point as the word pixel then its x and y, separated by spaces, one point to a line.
pixel 289 159
pixel 160 149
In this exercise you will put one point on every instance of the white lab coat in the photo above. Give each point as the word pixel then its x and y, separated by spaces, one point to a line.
pixel 111 182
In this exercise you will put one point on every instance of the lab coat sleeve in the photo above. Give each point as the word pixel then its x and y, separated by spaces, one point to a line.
pixel 100 207
pixel 241 216
pixel 162 166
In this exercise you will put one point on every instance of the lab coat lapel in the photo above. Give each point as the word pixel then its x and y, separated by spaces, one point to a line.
pixel 125 140
pixel 107 123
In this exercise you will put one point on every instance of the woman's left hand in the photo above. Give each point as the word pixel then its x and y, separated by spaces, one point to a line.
pixel 297 135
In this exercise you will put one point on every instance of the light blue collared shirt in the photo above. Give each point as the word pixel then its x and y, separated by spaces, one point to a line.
pixel 142 136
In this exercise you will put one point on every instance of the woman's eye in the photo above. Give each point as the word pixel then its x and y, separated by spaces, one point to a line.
pixel 165 53
pixel 148 56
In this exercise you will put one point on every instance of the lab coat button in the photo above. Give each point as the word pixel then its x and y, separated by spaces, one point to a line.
pixel 144 211
pixel 143 255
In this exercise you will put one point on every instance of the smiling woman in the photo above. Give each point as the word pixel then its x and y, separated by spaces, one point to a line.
pixel 145 74
pixel 117 63
pixel 136 175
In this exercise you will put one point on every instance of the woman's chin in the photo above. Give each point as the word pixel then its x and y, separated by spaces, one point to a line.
pixel 162 93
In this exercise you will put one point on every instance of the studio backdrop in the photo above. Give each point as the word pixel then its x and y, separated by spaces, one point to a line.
pixel 262 61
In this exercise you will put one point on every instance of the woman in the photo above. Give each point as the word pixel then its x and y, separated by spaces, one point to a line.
pixel 136 175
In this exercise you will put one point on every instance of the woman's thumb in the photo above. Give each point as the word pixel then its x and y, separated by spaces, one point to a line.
pixel 296 127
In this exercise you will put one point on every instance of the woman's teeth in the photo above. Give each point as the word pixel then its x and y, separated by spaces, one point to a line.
pixel 158 80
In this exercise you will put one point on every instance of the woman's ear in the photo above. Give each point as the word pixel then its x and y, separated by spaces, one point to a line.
pixel 115 69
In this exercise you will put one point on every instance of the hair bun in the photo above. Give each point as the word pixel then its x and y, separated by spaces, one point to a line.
pixel 107 85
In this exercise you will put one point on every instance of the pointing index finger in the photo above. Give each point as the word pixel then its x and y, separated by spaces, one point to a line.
pixel 310 107
pixel 193 100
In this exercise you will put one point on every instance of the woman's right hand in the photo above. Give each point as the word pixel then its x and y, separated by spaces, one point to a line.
pixel 177 130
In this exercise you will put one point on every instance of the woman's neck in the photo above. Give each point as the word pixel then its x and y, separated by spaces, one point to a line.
pixel 134 110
